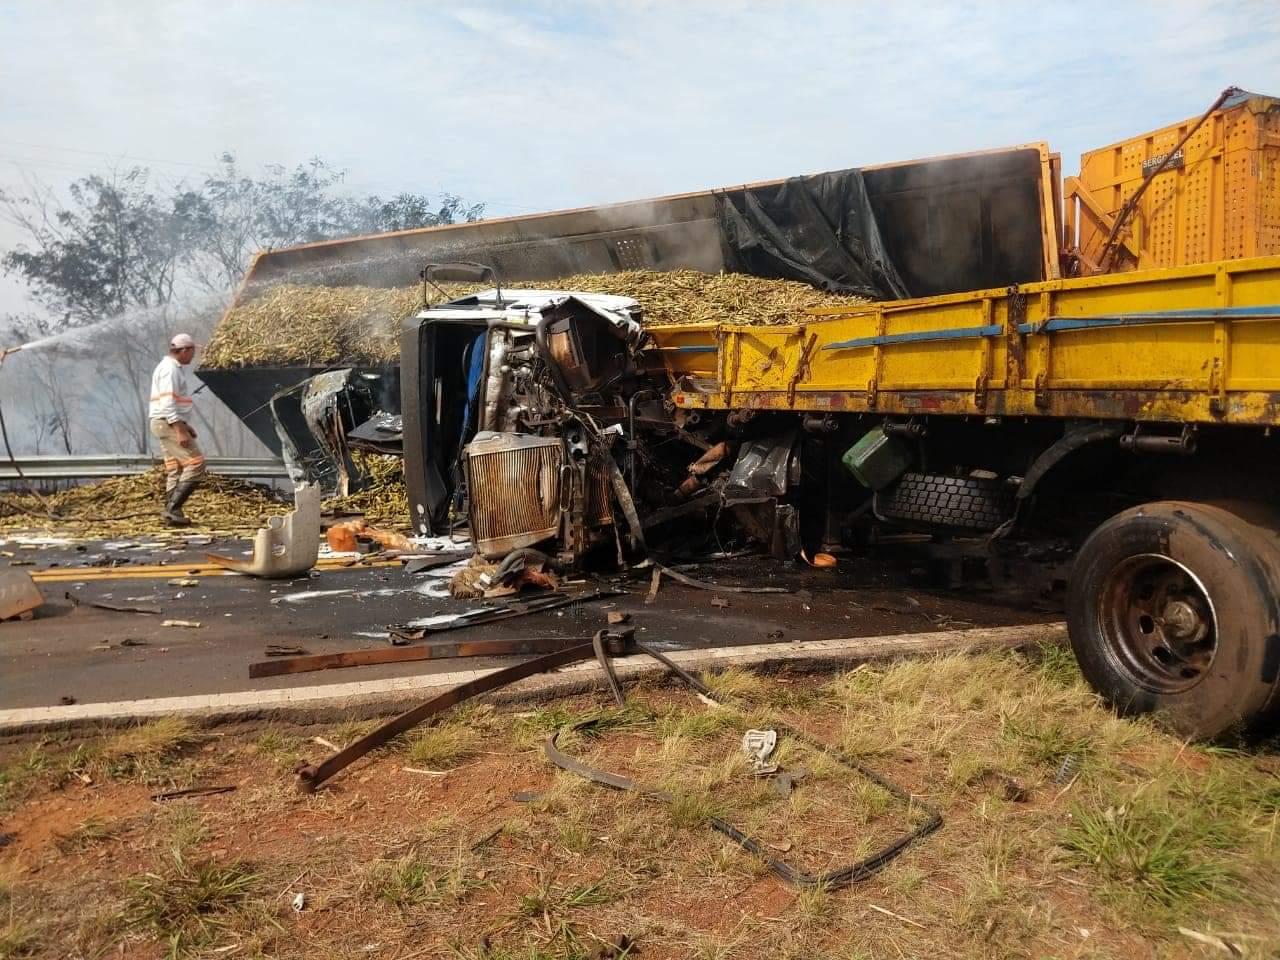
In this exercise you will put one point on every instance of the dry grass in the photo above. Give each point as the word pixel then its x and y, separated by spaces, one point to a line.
pixel 441 746
pixel 1148 835
pixel 131 507
pixel 317 326
pixel 186 904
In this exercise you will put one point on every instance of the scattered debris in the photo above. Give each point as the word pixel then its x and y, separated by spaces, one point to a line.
pixel 784 781
pixel 408 633
pixel 655 582
pixel 67 700
pixel 113 607
pixel 820 560
pixel 189 624
pixel 426 773
pixel 616 617
pixel 904 603
pixel 299 902
pixel 311 776
pixel 758 745
pixel 829 880
pixel 287 546
pixel 192 792
pixel 435 650
pixel 1210 940
pixel 896 916
pixel 720 602
pixel 19 595
pixel 302 596
pixel 283 650
pixel 660 570
pixel 321 741
pixel 423 564
pixel 473 580
pixel 184 582
pixel 348 536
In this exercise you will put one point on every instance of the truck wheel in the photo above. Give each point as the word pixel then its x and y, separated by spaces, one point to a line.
pixel 1174 608
pixel 932 500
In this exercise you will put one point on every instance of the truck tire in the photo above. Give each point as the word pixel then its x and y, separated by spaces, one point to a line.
pixel 1174 608
pixel 933 501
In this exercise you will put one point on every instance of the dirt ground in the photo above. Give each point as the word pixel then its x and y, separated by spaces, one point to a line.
pixel 1066 832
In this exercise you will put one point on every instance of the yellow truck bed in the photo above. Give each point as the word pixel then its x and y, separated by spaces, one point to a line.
pixel 1188 344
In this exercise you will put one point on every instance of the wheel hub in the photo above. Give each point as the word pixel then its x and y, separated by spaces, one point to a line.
pixel 1159 623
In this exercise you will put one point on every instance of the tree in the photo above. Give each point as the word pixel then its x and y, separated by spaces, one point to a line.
pixel 114 246
pixel 49 396
pixel 409 211
pixel 236 215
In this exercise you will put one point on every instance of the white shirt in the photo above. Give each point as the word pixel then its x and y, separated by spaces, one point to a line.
pixel 170 392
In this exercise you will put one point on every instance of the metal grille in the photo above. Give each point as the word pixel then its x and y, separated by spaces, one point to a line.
pixel 514 486
pixel 632 252
pixel 599 509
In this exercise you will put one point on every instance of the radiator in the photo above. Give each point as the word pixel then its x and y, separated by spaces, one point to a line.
pixel 513 481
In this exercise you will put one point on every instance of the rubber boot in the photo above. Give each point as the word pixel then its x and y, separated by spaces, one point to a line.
pixel 173 514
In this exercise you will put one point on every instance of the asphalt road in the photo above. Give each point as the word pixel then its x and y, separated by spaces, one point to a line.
pixel 95 655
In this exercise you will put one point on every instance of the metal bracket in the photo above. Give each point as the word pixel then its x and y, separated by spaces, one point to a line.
pixel 980 391
pixel 802 366
pixel 872 392
pixel 1042 390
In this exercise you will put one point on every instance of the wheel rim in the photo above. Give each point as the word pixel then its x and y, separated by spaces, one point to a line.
pixel 1159 623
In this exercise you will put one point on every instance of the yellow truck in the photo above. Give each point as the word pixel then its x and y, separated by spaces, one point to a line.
pixel 1022 378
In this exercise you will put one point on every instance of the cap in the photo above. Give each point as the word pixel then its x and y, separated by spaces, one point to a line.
pixel 181 341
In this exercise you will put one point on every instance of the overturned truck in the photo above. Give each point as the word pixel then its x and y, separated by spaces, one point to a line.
pixel 981 403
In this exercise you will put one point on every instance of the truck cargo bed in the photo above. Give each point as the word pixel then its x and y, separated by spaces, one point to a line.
pixel 1190 344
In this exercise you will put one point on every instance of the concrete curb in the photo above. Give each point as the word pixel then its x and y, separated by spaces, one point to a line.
pixel 370 698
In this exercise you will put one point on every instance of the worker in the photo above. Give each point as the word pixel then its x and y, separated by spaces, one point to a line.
pixel 170 414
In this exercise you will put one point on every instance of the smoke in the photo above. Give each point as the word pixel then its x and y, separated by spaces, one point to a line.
pixel 85 389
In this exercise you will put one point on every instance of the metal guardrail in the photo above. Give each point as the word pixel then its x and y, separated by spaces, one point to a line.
pixel 123 465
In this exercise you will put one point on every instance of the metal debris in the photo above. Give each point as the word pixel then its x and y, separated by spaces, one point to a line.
pixel 193 792
pixel 758 745
pixel 435 650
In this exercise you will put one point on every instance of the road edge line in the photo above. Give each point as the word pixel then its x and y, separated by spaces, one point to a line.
pixel 367 698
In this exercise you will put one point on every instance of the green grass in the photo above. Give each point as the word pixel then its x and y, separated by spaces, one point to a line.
pixel 90 833
pixel 692 810
pixel 417 879
pixel 188 903
pixel 532 728
pixel 139 753
pixel 1058 664
pixel 280 748
pixel 695 724
pixel 441 746
pixel 735 682
pixel 1047 740
pixel 1145 849
pixel 18 938
pixel 548 899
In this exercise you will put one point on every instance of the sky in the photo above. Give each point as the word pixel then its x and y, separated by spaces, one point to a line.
pixel 533 105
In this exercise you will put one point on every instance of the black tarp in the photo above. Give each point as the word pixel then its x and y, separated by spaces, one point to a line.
pixel 820 229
